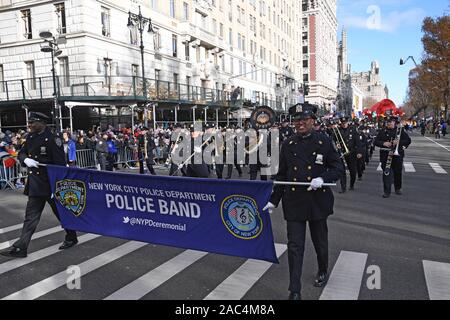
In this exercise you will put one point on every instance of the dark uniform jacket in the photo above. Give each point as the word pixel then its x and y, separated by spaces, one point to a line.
pixel 388 135
pixel 352 140
pixel 150 147
pixel 302 160
pixel 44 148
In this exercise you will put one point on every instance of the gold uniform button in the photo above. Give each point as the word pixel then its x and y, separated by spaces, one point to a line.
pixel 31 172
pixel 314 154
pixel 295 168
pixel 324 190
pixel 309 167
pixel 320 142
pixel 293 189
pixel 295 179
pixel 309 178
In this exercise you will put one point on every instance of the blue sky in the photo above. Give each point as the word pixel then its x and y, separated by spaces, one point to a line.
pixel 387 30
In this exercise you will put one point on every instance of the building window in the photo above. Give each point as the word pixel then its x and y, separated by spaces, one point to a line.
pixel 221 30
pixel 31 75
pixel 134 35
pixel 187 51
pixel 172 8
pixel 108 70
pixel 134 70
pixel 26 24
pixel 60 10
pixel 185 11
pixel 175 80
pixel 174 46
pixel 106 22
pixel 230 37
pixel 157 39
pixel 64 71
pixel 305 77
pixel 157 74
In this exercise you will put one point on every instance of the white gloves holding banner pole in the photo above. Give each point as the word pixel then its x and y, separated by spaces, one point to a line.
pixel 316 183
pixel 30 163
pixel 269 206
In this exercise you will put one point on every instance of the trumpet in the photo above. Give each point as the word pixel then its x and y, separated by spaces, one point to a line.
pixel 392 153
pixel 340 142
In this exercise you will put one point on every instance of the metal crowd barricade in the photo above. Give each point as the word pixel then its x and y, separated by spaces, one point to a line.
pixel 10 176
pixel 86 159
pixel 127 156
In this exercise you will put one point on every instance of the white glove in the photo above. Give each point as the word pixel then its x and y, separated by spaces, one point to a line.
pixel 31 163
pixel 316 183
pixel 180 166
pixel 269 206
pixel 198 149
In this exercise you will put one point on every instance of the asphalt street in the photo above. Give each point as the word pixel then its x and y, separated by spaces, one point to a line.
pixel 389 249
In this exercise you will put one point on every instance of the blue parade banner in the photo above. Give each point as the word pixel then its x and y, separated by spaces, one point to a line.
pixel 216 216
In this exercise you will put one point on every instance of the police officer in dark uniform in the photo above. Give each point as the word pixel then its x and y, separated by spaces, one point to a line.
pixel 194 169
pixel 361 162
pixel 354 146
pixel 387 139
pixel 41 147
pixel 177 134
pixel 310 157
pixel 146 145
pixel 285 131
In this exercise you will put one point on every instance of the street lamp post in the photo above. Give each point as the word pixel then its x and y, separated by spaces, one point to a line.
pixel 52 47
pixel 139 21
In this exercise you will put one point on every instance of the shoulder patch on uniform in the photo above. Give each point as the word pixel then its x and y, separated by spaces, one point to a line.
pixel 58 142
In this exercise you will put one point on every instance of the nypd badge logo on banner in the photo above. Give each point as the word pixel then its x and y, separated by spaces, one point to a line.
pixel 241 217
pixel 71 194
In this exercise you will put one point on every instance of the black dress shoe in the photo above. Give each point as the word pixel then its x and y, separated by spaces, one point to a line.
pixel 352 189
pixel 343 191
pixel 398 192
pixel 15 253
pixel 321 279
pixel 295 296
pixel 386 195
pixel 68 244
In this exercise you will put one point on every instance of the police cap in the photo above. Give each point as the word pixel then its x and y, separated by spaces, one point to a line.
pixel 38 117
pixel 303 111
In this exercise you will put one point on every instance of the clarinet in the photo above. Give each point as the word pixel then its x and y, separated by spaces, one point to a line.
pixel 392 151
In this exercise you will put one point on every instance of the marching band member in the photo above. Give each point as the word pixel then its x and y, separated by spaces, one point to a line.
pixel 146 145
pixel 311 157
pixel 41 147
pixel 393 141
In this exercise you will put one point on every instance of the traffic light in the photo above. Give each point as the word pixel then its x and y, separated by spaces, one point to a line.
pixel 305 89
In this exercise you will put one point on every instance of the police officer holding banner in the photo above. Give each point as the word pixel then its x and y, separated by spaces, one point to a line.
pixel 310 157
pixel 41 147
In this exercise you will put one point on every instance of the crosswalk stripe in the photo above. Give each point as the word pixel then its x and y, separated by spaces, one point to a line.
pixel 437 168
pixel 409 167
pixel 379 168
pixel 14 264
pixel 345 279
pixel 12 228
pixel 37 235
pixel 153 279
pixel 437 276
pixel 243 279
pixel 47 285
